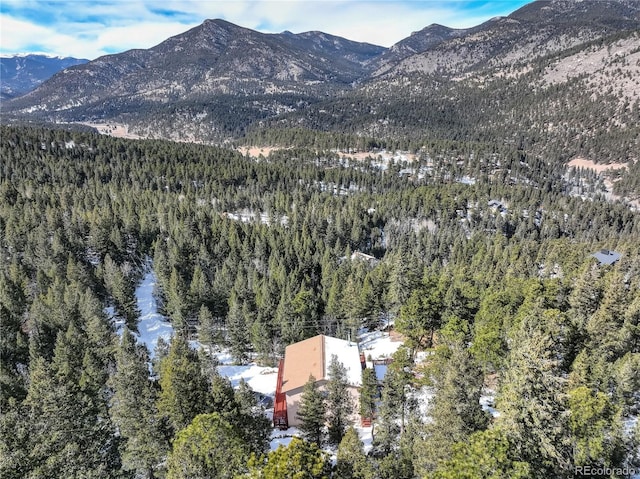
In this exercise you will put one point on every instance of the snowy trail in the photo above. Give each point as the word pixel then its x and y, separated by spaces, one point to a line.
pixel 151 325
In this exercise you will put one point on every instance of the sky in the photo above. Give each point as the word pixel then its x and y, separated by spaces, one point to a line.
pixel 92 28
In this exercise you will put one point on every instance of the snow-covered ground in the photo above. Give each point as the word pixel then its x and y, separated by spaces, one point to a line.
pixel 248 216
pixel 283 438
pixel 378 345
pixel 487 401
pixel 261 379
pixel 151 325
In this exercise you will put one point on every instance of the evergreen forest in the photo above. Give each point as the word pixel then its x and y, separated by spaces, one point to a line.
pixel 479 254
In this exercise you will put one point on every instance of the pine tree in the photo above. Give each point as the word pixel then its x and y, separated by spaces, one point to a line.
pixel 397 463
pixel 176 304
pixel 533 399
pixel 288 331
pixel 605 327
pixel 262 340
pixel 404 278
pixel 122 292
pixel 245 397
pixel 209 446
pixel 251 419
pixel 67 438
pixel 351 460
pixel 369 303
pixel 334 314
pixel 208 334
pixel 339 403
pixel 484 455
pixel 596 429
pixel 184 390
pixel 496 312
pixel 421 315
pixel 368 394
pixel 304 321
pixel 352 312
pixel 627 381
pixel 160 352
pixel 133 410
pixel 311 413
pixel 394 404
pixel 631 329
pixel 455 411
pixel 16 441
pixel 13 341
pixel 199 289
pixel 238 333
pixel 223 400
pixel 296 460
pixel 586 295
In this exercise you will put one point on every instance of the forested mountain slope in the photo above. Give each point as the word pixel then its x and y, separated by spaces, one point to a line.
pixel 556 78
pixel 214 60
pixel 494 277
pixel 479 249
pixel 22 73
pixel 581 102
pixel 536 30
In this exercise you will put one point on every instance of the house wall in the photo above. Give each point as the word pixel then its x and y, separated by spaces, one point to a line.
pixel 294 396
pixel 293 401
pixel 355 398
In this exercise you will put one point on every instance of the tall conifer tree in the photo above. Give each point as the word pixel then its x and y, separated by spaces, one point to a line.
pixel 339 403
pixel 184 390
pixel 311 413
pixel 351 460
pixel 134 411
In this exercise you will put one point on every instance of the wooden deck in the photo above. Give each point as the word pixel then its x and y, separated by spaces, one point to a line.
pixel 280 419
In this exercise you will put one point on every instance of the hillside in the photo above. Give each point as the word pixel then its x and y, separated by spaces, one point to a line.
pixel 483 261
pixel 22 73
pixel 555 78
pixel 536 30
pixel 272 72
pixel 579 102
pixel 172 219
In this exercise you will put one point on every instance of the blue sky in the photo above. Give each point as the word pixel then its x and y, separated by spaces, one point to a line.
pixel 91 28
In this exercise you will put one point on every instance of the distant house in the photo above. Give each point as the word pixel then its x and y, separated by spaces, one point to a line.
pixel 604 256
pixel 498 206
pixel 357 255
pixel 312 357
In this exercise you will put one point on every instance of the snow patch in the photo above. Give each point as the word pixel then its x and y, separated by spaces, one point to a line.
pixel 151 325
pixel 260 379
pixel 378 345
pixel 487 401
pixel 283 438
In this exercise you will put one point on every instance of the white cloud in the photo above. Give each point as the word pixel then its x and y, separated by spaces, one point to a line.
pixel 146 35
pixel 20 36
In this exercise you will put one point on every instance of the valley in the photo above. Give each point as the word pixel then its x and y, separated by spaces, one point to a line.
pixel 458 212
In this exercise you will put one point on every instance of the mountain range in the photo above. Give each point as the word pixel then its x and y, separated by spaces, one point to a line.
pixel 550 69
pixel 22 73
